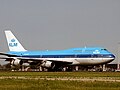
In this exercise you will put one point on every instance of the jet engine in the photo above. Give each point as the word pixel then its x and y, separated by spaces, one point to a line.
pixel 48 64
pixel 16 62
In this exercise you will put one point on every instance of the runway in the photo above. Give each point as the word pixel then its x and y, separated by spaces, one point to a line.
pixel 104 79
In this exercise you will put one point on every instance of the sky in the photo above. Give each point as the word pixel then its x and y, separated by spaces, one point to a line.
pixel 61 24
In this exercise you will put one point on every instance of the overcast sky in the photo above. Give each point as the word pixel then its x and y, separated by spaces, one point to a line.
pixel 61 24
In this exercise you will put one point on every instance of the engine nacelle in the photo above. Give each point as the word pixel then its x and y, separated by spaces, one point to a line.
pixel 16 62
pixel 48 64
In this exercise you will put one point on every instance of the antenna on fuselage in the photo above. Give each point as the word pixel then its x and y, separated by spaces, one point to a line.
pixel 83 50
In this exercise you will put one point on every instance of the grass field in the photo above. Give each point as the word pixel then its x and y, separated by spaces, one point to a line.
pixel 33 81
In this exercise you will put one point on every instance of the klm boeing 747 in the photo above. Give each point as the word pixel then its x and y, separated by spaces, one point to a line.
pixel 55 59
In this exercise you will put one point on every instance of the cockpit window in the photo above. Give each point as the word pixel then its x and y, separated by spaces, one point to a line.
pixel 104 49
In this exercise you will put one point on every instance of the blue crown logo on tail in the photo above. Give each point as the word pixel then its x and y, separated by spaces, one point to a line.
pixel 12 43
pixel 12 40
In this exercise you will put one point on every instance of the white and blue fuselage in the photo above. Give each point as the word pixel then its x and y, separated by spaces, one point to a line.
pixel 77 56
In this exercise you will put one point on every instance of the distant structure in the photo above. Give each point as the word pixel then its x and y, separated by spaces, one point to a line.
pixel 118 57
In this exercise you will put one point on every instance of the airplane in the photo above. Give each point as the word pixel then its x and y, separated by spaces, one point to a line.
pixel 55 59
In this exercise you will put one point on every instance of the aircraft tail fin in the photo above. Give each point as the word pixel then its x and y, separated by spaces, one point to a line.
pixel 13 43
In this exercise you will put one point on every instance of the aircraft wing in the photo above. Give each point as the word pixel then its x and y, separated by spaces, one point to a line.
pixel 56 61
pixel 42 59
pixel 10 57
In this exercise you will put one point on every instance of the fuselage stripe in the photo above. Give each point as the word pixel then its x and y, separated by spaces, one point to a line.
pixel 71 56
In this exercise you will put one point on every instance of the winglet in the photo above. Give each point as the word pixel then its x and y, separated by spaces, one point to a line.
pixel 13 43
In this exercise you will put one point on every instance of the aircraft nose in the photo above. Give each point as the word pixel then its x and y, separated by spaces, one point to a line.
pixel 112 56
